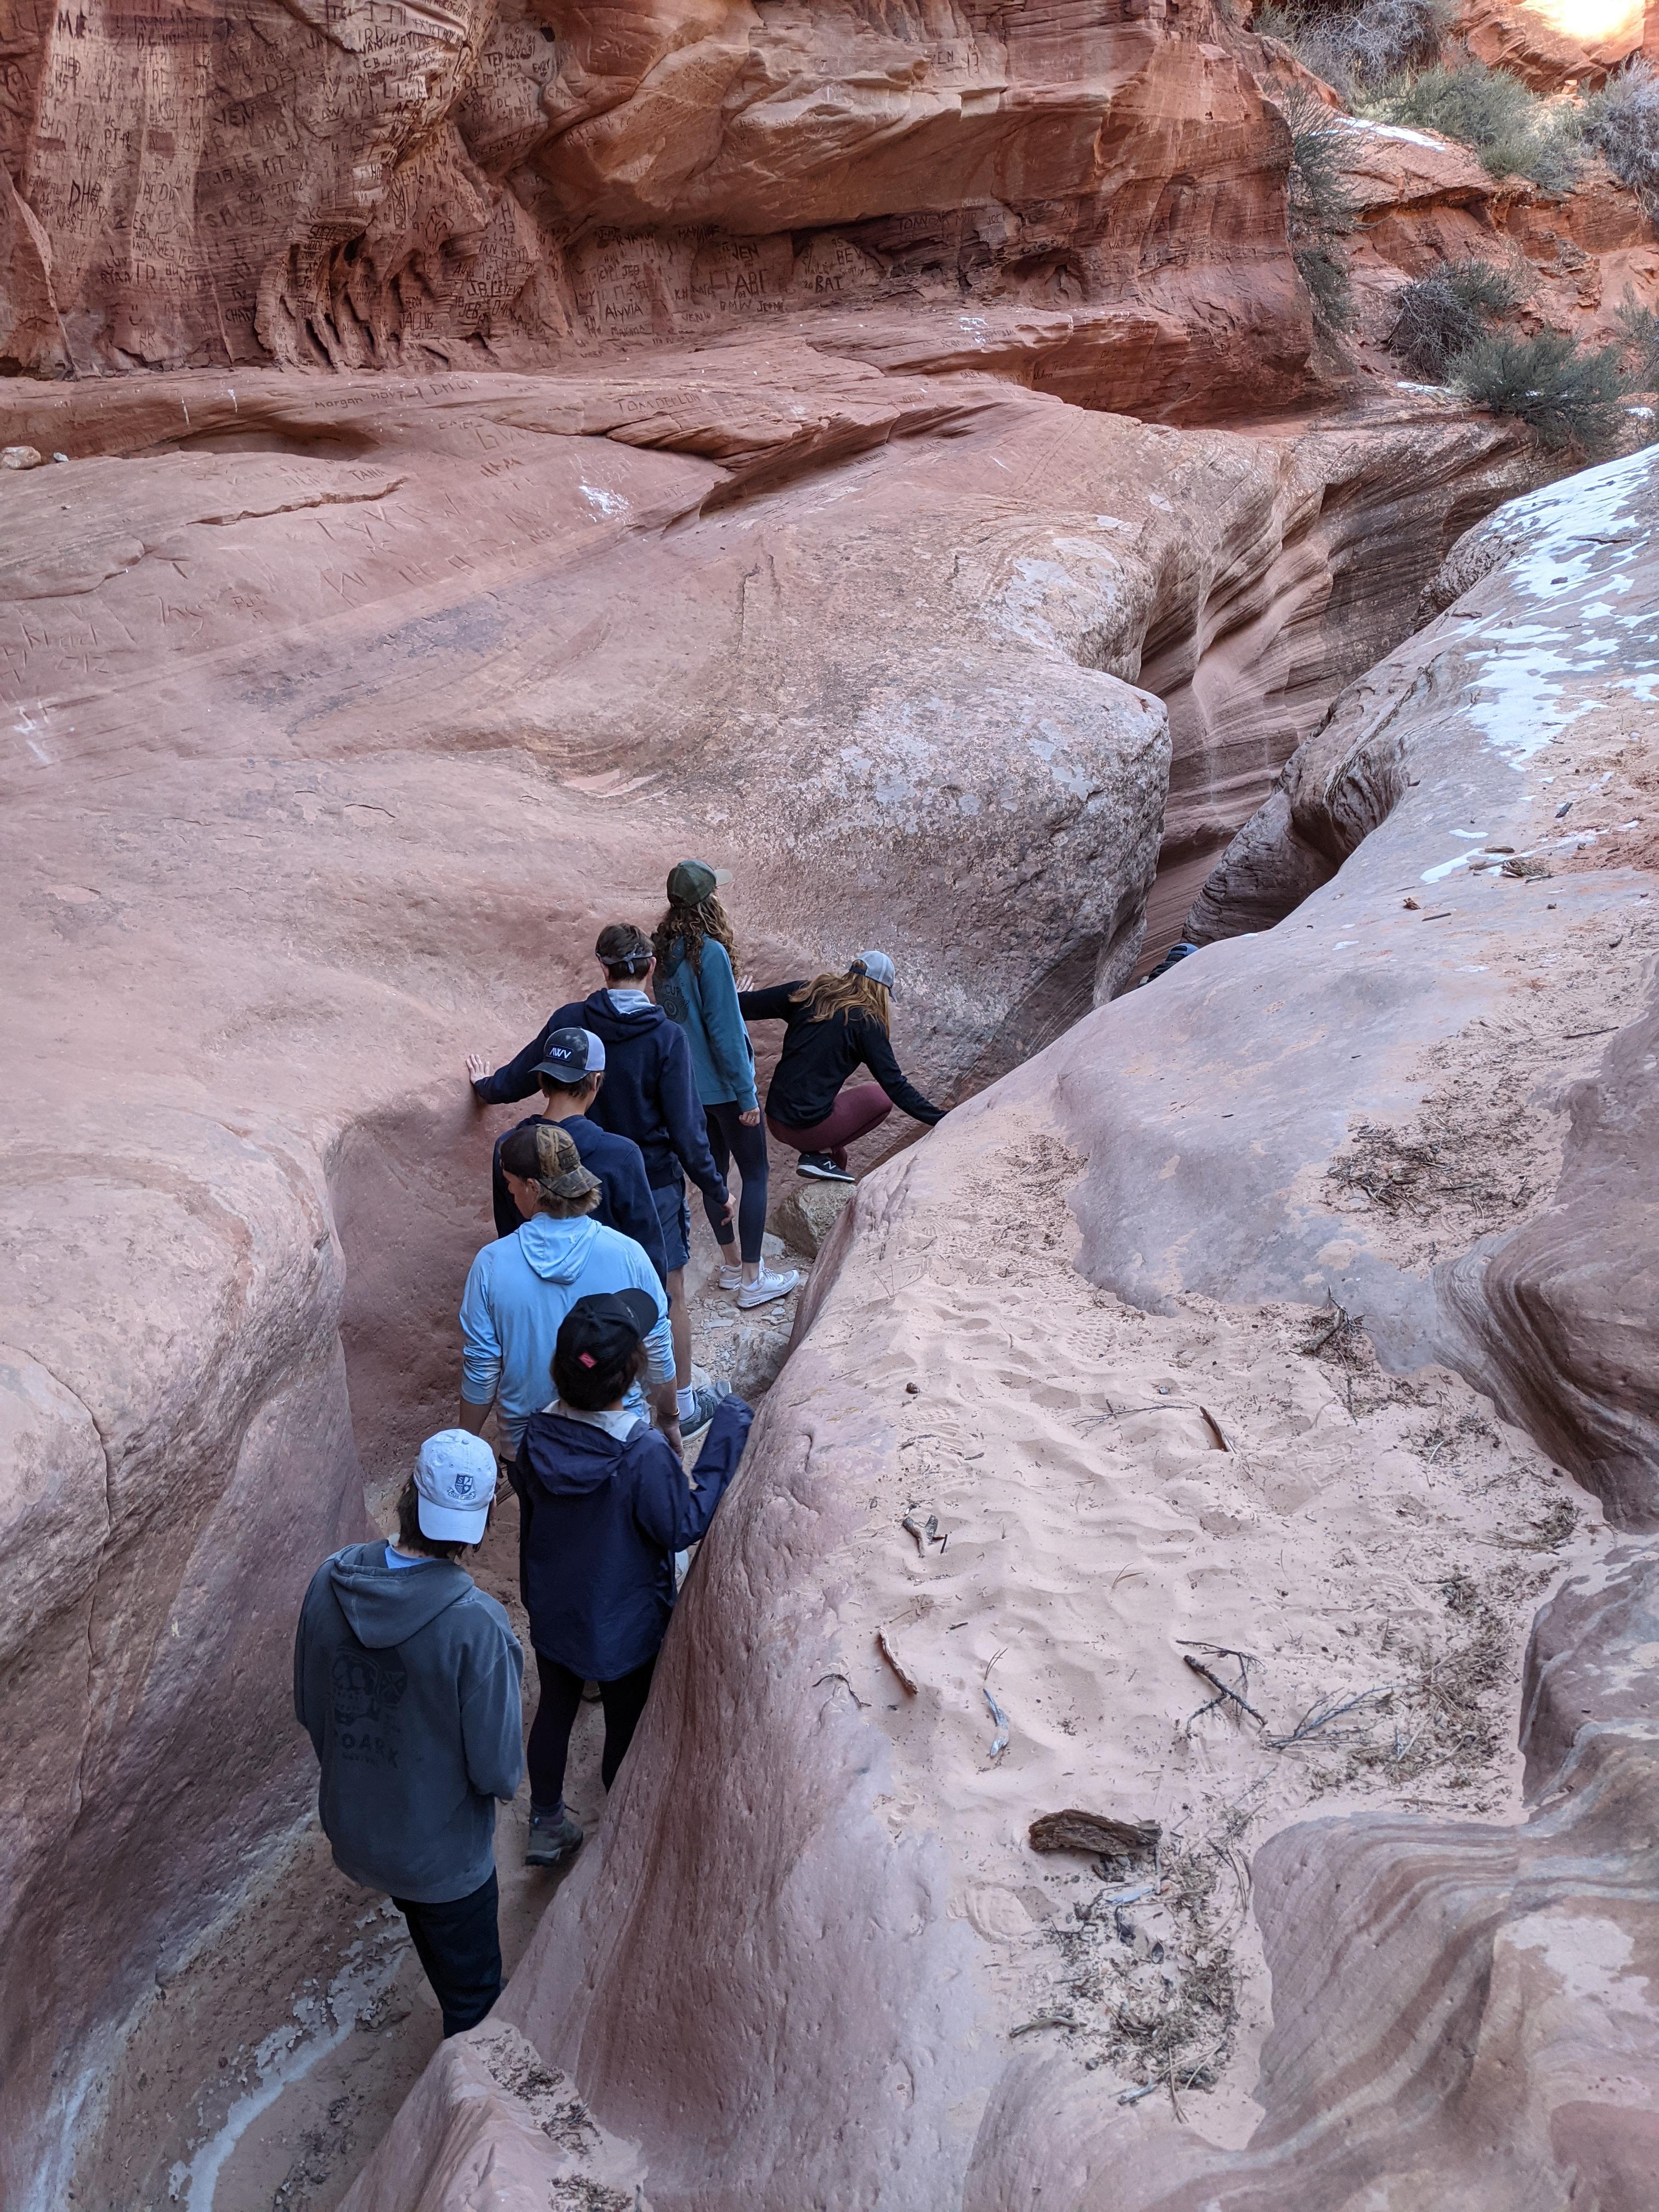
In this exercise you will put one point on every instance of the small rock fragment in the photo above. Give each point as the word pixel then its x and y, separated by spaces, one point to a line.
pixel 20 457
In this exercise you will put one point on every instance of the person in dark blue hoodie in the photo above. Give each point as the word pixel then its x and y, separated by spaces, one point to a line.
pixel 570 1075
pixel 650 1094
pixel 603 1505
pixel 406 1677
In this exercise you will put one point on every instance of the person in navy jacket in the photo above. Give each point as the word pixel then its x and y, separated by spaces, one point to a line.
pixel 649 1096
pixel 570 1074
pixel 603 1505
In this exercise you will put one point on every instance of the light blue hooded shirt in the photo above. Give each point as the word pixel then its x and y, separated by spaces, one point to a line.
pixel 519 1289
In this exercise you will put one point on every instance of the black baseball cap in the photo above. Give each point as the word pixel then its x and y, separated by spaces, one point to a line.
pixel 570 1055
pixel 603 1329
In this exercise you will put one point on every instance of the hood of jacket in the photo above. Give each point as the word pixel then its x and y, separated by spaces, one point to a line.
pixel 568 1459
pixel 558 1250
pixel 386 1604
pixel 612 1028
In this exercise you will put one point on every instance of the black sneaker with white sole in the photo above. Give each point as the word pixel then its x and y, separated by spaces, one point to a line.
pixel 823 1168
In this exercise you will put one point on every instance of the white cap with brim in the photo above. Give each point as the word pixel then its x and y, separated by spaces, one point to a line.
pixel 455 1483
pixel 879 968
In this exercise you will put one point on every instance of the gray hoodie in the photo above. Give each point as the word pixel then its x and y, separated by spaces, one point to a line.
pixel 406 1680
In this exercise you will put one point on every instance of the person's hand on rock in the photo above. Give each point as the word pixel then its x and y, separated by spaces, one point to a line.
pixel 476 1067
pixel 746 982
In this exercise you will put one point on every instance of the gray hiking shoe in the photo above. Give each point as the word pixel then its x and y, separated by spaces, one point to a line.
pixel 551 1840
pixel 702 1412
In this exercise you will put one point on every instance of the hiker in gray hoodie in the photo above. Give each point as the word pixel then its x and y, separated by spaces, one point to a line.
pixel 406 1679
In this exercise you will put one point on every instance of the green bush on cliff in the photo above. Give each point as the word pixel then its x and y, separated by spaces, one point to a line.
pixel 1497 117
pixel 1570 397
pixel 1444 313
pixel 1354 46
pixel 1639 341
pixel 1319 210
pixel 1621 122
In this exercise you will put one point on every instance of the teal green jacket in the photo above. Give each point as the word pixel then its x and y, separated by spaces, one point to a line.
pixel 706 1007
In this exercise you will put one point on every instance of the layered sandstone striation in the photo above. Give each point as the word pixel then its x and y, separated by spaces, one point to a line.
pixel 349 707
pixel 1100 201
pixel 566 437
pixel 814 1954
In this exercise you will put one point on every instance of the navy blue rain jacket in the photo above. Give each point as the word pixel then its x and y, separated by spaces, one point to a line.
pixel 649 1092
pixel 625 1202
pixel 600 1518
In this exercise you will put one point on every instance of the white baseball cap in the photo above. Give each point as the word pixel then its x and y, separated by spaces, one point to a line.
pixel 455 1483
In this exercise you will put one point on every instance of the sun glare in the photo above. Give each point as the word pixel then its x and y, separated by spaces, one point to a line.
pixel 1593 22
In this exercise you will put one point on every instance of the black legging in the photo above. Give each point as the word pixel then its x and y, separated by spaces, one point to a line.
pixel 729 1140
pixel 556 1716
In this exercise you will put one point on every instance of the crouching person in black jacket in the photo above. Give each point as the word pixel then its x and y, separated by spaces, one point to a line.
pixel 406 1677
pixel 603 1506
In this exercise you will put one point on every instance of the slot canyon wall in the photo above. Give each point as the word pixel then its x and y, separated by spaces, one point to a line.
pixel 802 1963
pixel 505 447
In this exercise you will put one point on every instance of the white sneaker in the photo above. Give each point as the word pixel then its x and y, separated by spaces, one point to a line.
pixel 732 1278
pixel 767 1286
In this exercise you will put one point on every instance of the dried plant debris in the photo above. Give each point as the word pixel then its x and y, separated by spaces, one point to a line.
pixel 516 2065
pixel 1154 1993
pixel 1335 1333
pixel 579 2192
pixel 1398 1173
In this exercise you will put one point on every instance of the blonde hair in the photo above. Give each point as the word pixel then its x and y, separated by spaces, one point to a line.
pixel 826 996
pixel 543 1154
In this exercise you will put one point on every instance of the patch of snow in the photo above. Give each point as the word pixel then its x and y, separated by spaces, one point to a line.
pixel 286 2056
pixel 1393 130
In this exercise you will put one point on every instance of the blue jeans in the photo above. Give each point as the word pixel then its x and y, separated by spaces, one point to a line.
pixel 675 1218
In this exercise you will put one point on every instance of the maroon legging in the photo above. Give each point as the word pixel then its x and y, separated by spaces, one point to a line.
pixel 854 1115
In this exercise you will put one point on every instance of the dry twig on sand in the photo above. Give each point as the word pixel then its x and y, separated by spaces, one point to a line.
pixel 1224 1689
pixel 1318 1717
pixel 907 1680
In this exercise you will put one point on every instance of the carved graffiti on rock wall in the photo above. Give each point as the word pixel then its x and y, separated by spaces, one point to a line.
pixel 374 183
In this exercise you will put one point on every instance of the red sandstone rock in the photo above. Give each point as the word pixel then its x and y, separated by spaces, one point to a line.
pixel 1550 43
pixel 1461 2008
pixel 349 706
pixel 362 184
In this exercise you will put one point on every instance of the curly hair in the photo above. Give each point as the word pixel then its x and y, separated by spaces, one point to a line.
pixel 685 929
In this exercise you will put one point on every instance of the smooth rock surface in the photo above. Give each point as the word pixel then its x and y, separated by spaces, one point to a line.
pixel 1464 2006
pixel 350 707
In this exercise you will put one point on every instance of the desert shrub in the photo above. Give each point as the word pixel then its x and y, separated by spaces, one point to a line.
pixel 1356 46
pixel 1621 122
pixel 1514 132
pixel 1321 213
pixel 1444 312
pixel 1569 398
pixel 1639 343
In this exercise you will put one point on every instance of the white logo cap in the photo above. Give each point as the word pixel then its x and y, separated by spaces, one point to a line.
pixel 455 1481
